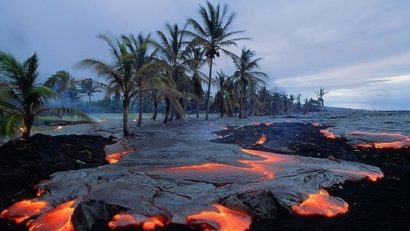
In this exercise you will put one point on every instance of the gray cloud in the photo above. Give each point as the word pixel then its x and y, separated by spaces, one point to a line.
pixel 355 49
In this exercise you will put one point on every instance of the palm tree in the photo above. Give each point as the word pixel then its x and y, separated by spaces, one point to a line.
pixel 220 95
pixel 21 97
pixel 63 84
pixel 89 87
pixel 194 61
pixel 143 62
pixel 319 94
pixel 246 73
pixel 173 50
pixel 120 74
pixel 214 34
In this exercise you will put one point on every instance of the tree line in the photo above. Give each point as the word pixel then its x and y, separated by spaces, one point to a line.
pixel 163 73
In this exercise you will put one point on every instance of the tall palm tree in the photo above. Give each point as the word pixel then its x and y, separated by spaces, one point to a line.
pixel 213 32
pixel 22 98
pixel 194 61
pixel 246 71
pixel 172 48
pixel 89 87
pixel 119 73
pixel 143 61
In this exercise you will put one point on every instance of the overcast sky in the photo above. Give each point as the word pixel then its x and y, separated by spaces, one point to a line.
pixel 359 50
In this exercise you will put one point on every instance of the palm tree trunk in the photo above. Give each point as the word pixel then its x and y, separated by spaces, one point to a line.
pixel 197 108
pixel 208 93
pixel 167 109
pixel 125 127
pixel 28 124
pixel 222 106
pixel 139 123
pixel 154 116
pixel 244 108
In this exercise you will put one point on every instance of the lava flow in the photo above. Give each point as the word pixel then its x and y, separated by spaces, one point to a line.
pixel 127 220
pixel 398 140
pixel 58 219
pixel 224 219
pixel 22 210
pixel 115 157
pixel 328 134
pixel 321 204
pixel 262 139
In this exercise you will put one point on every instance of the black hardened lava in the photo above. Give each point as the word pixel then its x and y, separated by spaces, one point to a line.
pixel 381 205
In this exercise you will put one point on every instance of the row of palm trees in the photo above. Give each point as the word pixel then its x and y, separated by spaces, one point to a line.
pixel 166 71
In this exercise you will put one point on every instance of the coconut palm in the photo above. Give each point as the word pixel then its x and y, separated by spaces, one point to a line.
pixel 143 60
pixel 172 49
pixel 246 72
pixel 89 87
pixel 22 98
pixel 119 73
pixel 213 32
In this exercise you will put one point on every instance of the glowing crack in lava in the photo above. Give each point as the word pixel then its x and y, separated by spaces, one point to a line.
pixel 321 204
pixel 59 127
pixel 262 139
pixel 127 220
pixel 22 210
pixel 115 157
pixel 397 140
pixel 328 134
pixel 123 220
pixel 58 219
pixel 223 219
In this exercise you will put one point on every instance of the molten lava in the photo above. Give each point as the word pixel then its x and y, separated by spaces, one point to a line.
pixel 152 223
pixel 398 140
pixel 58 219
pixel 115 157
pixel 321 204
pixel 122 220
pixel 224 219
pixel 262 139
pixel 328 134
pixel 22 210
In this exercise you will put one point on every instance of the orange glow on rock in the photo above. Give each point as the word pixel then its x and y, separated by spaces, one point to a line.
pixel 152 223
pixel 115 157
pixel 372 176
pixel 399 140
pixel 224 219
pixel 328 134
pixel 122 220
pixel 59 127
pixel 22 210
pixel 262 139
pixel 58 219
pixel 321 204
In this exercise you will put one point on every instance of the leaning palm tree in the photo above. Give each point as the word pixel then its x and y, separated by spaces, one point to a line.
pixel 63 84
pixel 246 66
pixel 22 98
pixel 172 49
pixel 215 35
pixel 119 73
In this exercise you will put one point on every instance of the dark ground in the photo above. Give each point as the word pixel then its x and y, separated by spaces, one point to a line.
pixel 381 205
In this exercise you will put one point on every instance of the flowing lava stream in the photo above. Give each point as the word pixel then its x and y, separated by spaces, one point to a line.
pixel 321 204
pixel 400 140
pixel 115 157
pixel 328 134
pixel 224 219
pixel 22 210
pixel 127 220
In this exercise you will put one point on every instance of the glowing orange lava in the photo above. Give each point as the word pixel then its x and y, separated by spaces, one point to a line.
pixel 122 220
pixel 372 176
pixel 328 134
pixel 152 223
pixel 58 219
pixel 224 219
pixel 399 140
pixel 22 210
pixel 115 157
pixel 262 139
pixel 321 204
pixel 59 128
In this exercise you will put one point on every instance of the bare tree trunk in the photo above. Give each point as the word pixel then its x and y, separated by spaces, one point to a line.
pixel 125 126
pixel 167 109
pixel 208 93
pixel 196 108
